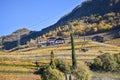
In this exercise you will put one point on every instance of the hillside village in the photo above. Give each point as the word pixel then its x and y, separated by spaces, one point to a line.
pixel 52 41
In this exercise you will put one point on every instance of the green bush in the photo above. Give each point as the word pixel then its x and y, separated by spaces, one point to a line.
pixel 63 66
pixel 81 72
pixel 52 74
pixel 97 64
pixel 117 59
pixel 107 62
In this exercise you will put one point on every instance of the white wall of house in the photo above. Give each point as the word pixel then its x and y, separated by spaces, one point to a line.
pixel 59 41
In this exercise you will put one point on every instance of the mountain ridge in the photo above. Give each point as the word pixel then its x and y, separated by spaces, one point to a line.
pixel 90 12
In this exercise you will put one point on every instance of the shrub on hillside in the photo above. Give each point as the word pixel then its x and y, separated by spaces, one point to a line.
pixel 106 62
pixel 97 65
pixel 81 72
pixel 117 59
pixel 52 74
pixel 109 63
pixel 63 66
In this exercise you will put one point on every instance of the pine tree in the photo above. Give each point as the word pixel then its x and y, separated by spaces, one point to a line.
pixel 52 62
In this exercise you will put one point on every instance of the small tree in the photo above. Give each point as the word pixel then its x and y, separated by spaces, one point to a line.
pixel 117 59
pixel 97 65
pixel 81 72
pixel 106 62
pixel 109 63
pixel 52 74
pixel 63 66
pixel 52 62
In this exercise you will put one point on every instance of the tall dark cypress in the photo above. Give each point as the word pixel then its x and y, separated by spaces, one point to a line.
pixel 74 61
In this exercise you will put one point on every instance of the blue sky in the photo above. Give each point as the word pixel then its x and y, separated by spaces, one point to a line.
pixel 32 14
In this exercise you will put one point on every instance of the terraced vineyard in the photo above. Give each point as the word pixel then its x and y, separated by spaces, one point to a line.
pixel 14 65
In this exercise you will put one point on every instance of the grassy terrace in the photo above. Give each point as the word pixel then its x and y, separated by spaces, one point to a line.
pixel 19 77
pixel 106 75
pixel 14 65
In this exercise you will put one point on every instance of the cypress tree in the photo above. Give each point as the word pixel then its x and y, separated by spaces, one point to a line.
pixel 52 62
pixel 74 61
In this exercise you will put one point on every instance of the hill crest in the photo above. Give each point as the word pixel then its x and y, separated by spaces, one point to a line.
pixel 98 15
